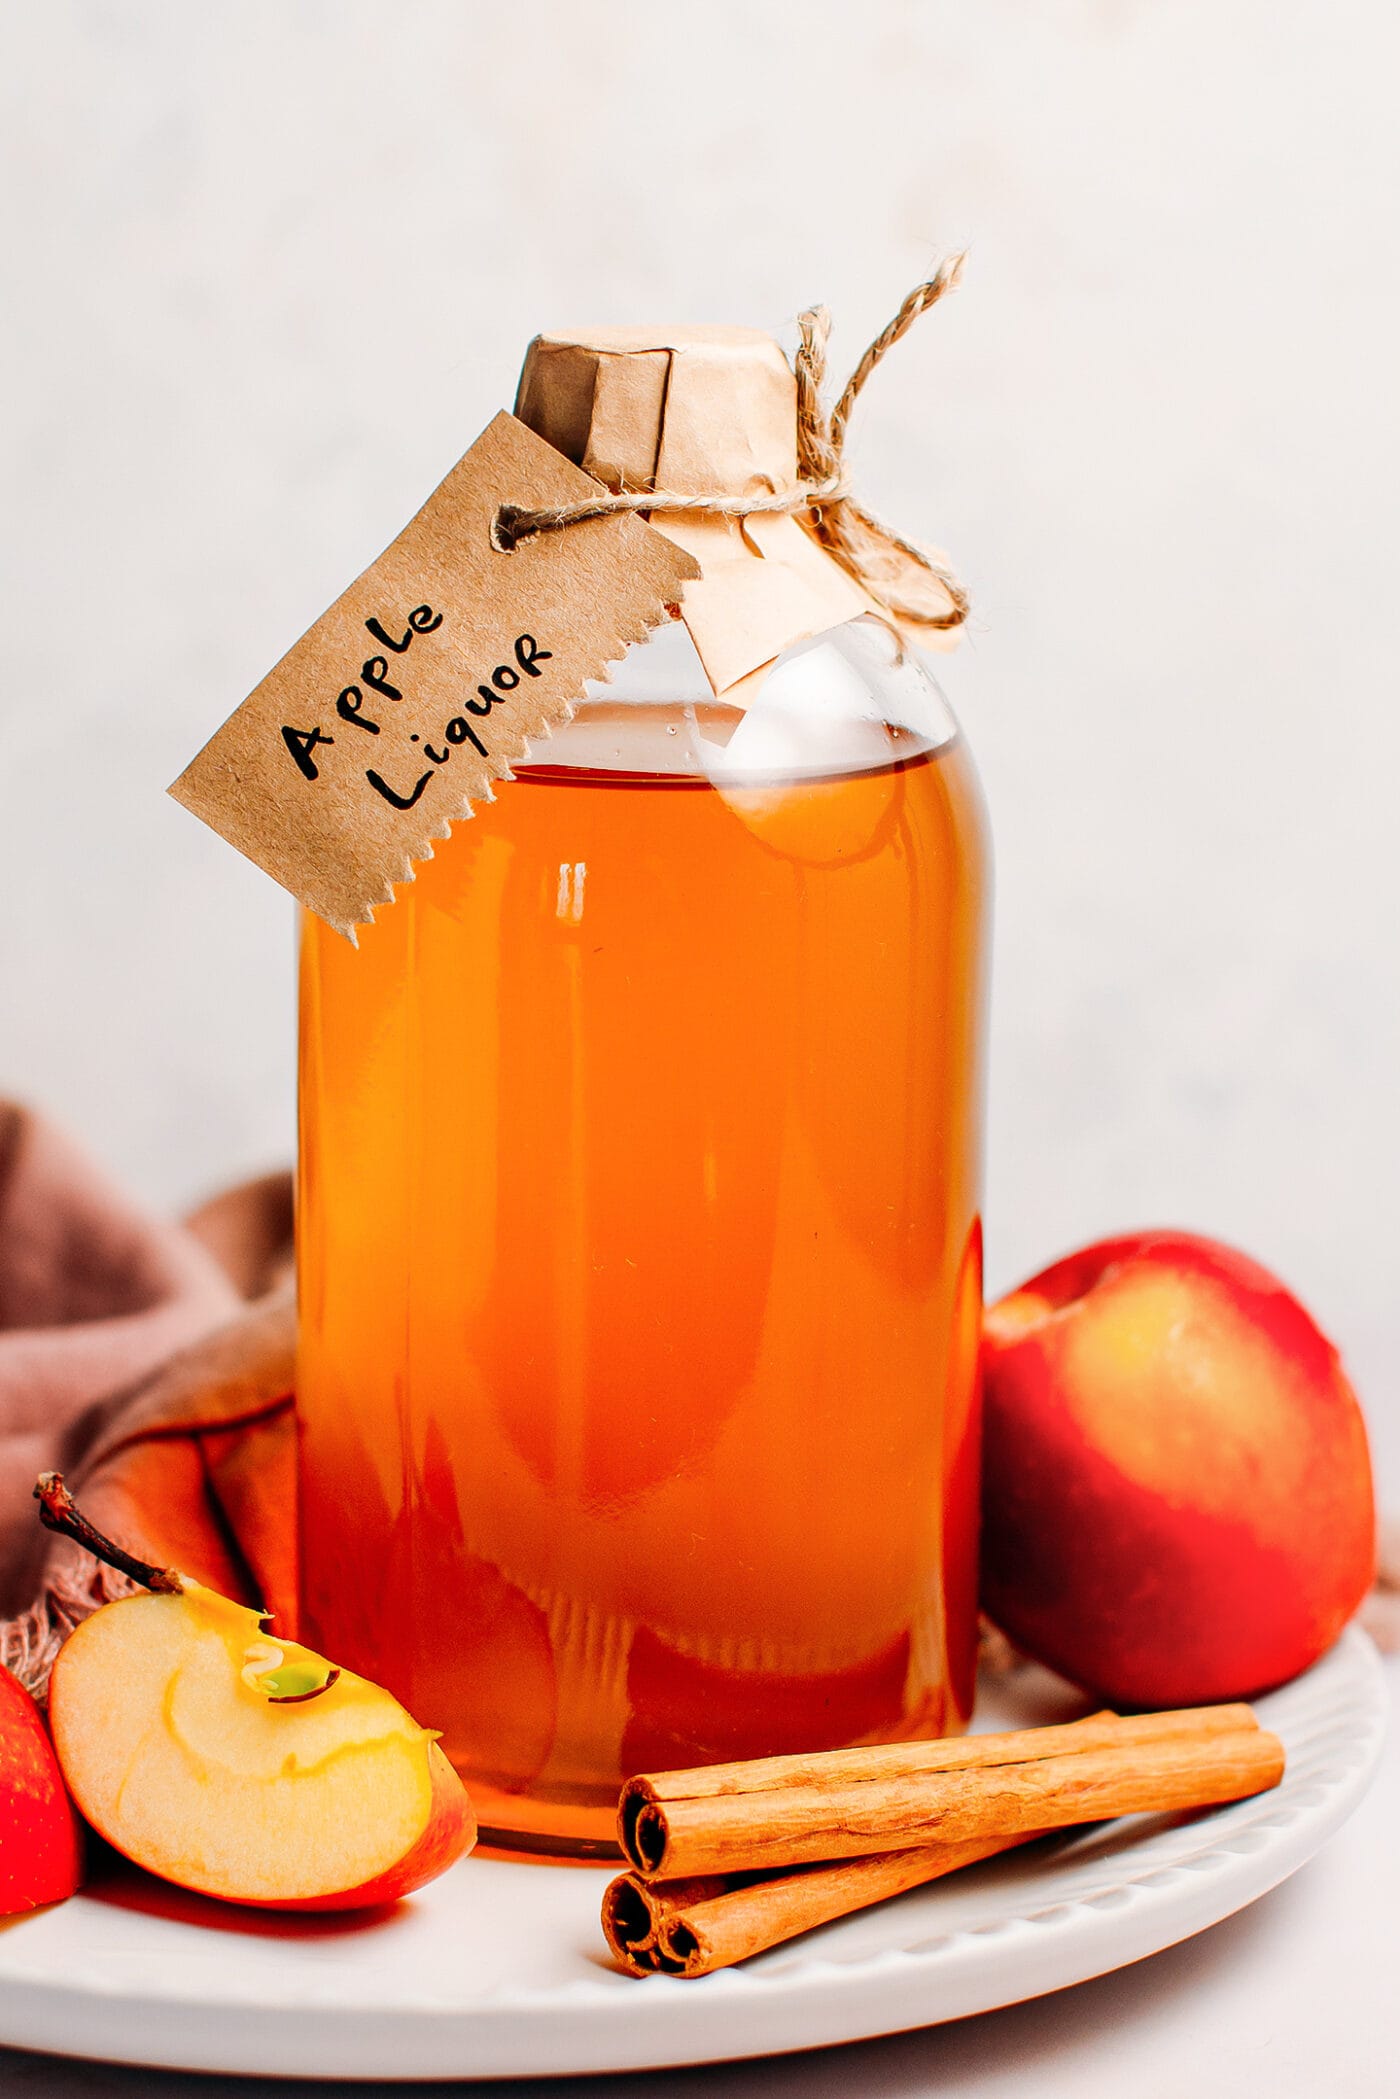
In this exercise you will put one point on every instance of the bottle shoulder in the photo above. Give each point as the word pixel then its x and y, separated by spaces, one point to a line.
pixel 853 699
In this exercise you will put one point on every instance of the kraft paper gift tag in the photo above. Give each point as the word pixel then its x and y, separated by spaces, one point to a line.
pixel 429 678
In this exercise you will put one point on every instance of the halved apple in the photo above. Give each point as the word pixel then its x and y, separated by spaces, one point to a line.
pixel 244 1766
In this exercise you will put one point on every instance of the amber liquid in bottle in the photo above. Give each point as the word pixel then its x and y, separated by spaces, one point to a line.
pixel 640 1276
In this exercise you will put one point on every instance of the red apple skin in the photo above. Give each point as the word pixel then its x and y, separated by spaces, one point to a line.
pixel 41 1846
pixel 1177 1497
pixel 449 1835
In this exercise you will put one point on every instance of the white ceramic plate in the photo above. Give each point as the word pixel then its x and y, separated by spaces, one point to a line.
pixel 499 1969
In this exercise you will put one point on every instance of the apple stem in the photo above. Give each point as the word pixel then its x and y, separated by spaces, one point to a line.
pixel 59 1512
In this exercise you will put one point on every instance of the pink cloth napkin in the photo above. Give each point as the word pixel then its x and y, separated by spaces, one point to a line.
pixel 151 1363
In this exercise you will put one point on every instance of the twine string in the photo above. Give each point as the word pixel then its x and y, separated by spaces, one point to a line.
pixel 850 532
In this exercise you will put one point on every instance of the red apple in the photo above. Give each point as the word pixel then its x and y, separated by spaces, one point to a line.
pixel 1177 1499
pixel 41 1851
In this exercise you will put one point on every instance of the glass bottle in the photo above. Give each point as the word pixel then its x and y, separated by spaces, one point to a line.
pixel 639 1241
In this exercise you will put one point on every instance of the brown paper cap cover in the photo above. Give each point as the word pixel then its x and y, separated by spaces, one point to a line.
pixel 696 410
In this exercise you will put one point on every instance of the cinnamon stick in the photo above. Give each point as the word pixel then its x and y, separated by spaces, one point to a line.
pixel 691 1927
pixel 635 1912
pixel 787 1811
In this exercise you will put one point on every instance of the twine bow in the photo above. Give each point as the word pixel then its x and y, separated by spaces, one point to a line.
pixel 877 556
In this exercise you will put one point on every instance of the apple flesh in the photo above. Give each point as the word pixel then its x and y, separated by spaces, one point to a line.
pixel 1177 1497
pixel 246 1767
pixel 41 1846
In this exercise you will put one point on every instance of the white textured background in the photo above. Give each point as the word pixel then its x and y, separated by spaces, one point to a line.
pixel 268 269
